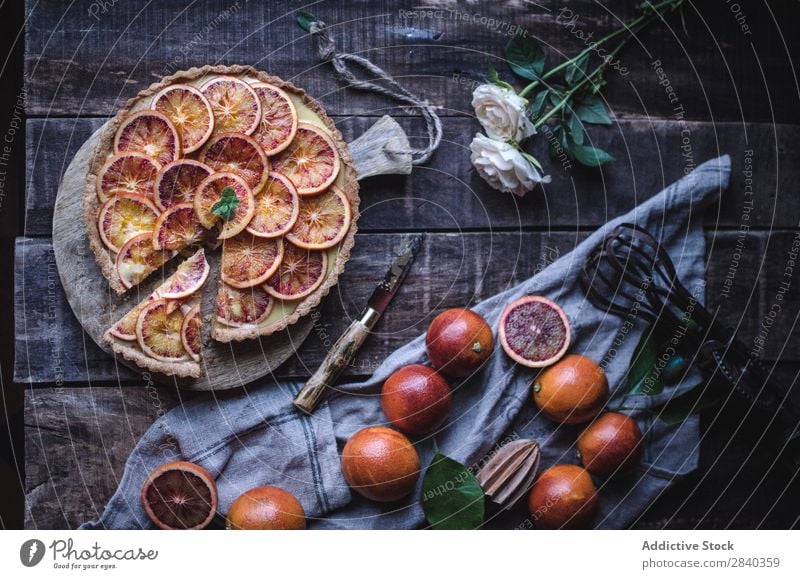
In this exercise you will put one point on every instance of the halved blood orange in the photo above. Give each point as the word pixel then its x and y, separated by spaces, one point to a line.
pixel 278 119
pixel 125 328
pixel 188 278
pixel 180 495
pixel 178 227
pixel 150 133
pixel 158 331
pixel 311 160
pixel 189 111
pixel 210 191
pixel 127 173
pixel 276 208
pixel 238 154
pixel 235 104
pixel 138 259
pixel 177 182
pixel 534 331
pixel 301 272
pixel 323 220
pixel 125 216
pixel 191 331
pixel 248 260
pixel 241 307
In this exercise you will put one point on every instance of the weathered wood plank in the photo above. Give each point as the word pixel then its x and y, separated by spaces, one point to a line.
pixel 51 346
pixel 448 194
pixel 87 57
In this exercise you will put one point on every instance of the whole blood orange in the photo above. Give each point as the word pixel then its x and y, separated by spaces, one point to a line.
pixel 180 495
pixel 571 391
pixel 266 509
pixel 416 399
pixel 380 464
pixel 459 341
pixel 564 497
pixel 609 444
pixel 534 331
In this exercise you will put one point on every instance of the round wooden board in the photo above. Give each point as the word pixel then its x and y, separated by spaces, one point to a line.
pixel 97 306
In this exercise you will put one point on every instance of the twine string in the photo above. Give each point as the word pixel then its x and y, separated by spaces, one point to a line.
pixel 326 49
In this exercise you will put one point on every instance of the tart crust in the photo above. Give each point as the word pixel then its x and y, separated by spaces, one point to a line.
pixel 105 258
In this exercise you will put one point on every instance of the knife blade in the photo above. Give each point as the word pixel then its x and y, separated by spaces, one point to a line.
pixel 344 350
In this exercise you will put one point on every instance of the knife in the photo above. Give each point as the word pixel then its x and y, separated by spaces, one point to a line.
pixel 346 347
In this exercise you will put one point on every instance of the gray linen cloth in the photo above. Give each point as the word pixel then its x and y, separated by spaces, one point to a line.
pixel 255 437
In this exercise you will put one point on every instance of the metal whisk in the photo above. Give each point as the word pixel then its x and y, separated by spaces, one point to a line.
pixel 630 273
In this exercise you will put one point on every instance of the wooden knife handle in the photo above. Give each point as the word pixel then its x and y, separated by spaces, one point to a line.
pixel 339 357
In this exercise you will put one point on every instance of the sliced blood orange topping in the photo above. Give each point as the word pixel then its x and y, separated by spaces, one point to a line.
pixel 150 133
pixel 127 173
pixel 248 260
pixel 311 160
pixel 177 182
pixel 158 331
pixel 323 220
pixel 138 259
pixel 125 328
pixel 241 307
pixel 180 495
pixel 125 216
pixel 191 332
pixel 189 111
pixel 178 227
pixel 209 192
pixel 276 208
pixel 238 154
pixel 235 104
pixel 278 119
pixel 534 331
pixel 188 278
pixel 301 272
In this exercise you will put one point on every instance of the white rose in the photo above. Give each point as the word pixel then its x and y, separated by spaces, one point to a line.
pixel 501 112
pixel 503 167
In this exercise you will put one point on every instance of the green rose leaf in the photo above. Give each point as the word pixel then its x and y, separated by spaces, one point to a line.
pixel 575 129
pixel 590 156
pixel 451 496
pixel 538 104
pixel 576 72
pixel 304 20
pixel 494 78
pixel 642 378
pixel 592 109
pixel 525 56
pixel 227 204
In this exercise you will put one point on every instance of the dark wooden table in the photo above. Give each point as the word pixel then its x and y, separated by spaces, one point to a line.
pixel 733 82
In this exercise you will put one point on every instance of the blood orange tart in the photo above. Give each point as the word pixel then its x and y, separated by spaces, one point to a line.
pixel 232 162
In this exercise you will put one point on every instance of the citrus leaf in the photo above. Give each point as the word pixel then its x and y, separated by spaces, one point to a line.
pixel 677 409
pixel 451 496
pixel 590 156
pixel 525 56
pixel 304 20
pixel 227 204
pixel 642 379
pixel 591 109
pixel 576 72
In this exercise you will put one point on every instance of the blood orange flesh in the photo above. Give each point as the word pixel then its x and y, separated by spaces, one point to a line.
pixel 278 119
pixel 125 216
pixel 177 182
pixel 150 133
pixel 534 331
pixel 235 104
pixel 191 332
pixel 189 111
pixel 180 495
pixel 323 220
pixel 248 260
pixel 177 228
pixel 127 173
pixel 188 278
pixel 300 273
pixel 311 160
pixel 138 259
pixel 238 154
pixel 210 191
pixel 158 331
pixel 276 208
pixel 241 307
